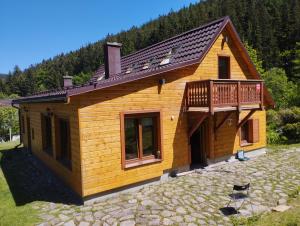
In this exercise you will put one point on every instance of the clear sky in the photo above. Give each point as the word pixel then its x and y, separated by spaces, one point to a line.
pixel 33 30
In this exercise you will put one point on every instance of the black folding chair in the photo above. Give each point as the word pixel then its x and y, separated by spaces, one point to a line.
pixel 240 192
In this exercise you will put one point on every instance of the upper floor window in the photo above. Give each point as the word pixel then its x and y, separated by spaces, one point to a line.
pixel 141 138
pixel 224 67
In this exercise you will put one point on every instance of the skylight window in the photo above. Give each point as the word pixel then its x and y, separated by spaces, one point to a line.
pixel 129 70
pixel 147 64
pixel 101 77
pixel 169 55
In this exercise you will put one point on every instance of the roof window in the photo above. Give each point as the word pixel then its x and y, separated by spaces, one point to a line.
pixel 129 70
pixel 147 64
pixel 167 58
pixel 101 77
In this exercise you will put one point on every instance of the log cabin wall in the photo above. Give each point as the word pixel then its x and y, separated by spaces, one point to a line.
pixel 70 111
pixel 99 122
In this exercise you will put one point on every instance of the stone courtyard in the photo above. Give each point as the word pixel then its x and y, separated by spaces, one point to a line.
pixel 192 199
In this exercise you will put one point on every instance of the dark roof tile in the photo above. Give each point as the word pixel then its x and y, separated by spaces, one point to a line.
pixel 191 47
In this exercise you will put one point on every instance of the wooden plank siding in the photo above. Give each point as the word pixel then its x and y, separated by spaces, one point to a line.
pixel 100 122
pixel 34 111
pixel 95 125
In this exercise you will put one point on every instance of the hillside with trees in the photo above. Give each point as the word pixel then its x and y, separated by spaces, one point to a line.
pixel 269 28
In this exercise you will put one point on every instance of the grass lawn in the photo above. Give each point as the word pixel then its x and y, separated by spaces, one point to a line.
pixel 10 214
pixel 290 217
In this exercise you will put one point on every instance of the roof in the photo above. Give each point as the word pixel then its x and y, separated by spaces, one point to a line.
pixel 189 46
pixel 182 50
pixel 5 102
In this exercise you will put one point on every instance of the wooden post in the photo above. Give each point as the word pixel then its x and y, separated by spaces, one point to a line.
pixel 211 139
pixel 187 93
pixel 261 95
pixel 211 97
pixel 239 95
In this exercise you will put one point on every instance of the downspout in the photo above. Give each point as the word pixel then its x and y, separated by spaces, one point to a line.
pixel 19 113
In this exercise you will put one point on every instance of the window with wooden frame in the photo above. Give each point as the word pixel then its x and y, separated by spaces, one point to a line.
pixel 22 124
pixel 249 132
pixel 47 134
pixel 224 67
pixel 63 142
pixel 141 138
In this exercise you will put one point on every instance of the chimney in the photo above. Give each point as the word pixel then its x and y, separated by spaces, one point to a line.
pixel 112 58
pixel 67 81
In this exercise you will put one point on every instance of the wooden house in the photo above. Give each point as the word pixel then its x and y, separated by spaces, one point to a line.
pixel 195 98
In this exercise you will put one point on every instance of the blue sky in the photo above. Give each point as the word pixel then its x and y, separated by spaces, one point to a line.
pixel 33 30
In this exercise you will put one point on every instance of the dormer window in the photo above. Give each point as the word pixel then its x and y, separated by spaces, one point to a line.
pixel 167 58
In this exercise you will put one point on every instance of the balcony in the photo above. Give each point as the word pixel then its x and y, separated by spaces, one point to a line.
pixel 224 95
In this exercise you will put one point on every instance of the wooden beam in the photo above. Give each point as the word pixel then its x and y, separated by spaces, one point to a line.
pixel 198 123
pixel 246 118
pixel 222 122
pixel 211 97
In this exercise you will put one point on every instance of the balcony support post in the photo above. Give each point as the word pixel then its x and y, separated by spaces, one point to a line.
pixel 239 95
pixel 222 122
pixel 197 124
pixel 211 97
pixel 246 118
pixel 261 95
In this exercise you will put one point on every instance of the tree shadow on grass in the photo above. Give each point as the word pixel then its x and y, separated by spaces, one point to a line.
pixel 29 180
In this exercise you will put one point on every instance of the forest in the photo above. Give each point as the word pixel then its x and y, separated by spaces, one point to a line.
pixel 270 29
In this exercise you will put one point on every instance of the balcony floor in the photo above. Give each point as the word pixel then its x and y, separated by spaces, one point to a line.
pixel 222 109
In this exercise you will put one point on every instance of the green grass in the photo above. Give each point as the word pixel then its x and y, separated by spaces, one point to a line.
pixel 278 147
pixel 10 214
pixel 290 217
pixel 8 145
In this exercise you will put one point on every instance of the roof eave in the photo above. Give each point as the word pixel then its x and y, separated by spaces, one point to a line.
pixel 45 99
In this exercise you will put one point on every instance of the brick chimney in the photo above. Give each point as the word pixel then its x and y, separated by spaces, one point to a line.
pixel 67 81
pixel 112 58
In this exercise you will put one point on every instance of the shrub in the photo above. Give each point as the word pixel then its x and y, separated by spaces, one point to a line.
pixel 292 131
pixel 283 126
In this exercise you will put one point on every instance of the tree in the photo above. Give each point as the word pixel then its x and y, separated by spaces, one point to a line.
pixel 283 91
pixel 9 123
pixel 255 59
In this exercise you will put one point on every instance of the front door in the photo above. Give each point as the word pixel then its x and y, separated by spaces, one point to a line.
pixel 28 134
pixel 199 145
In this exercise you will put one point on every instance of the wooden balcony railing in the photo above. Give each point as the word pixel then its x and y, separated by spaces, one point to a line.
pixel 224 93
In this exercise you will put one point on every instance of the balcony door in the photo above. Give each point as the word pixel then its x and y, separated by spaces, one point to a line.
pixel 224 67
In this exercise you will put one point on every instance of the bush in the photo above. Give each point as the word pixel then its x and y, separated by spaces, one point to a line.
pixel 292 132
pixel 283 126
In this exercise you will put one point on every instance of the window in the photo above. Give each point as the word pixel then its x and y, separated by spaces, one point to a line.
pixel 171 53
pixel 250 132
pixel 141 138
pixel 245 133
pixel 22 124
pixel 63 143
pixel 224 67
pixel 47 134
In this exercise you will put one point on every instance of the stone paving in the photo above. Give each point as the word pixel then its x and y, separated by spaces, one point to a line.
pixel 193 199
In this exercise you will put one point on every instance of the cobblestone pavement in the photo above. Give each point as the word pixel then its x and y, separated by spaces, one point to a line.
pixel 193 199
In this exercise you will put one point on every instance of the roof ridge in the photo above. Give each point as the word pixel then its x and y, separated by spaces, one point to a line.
pixel 176 36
